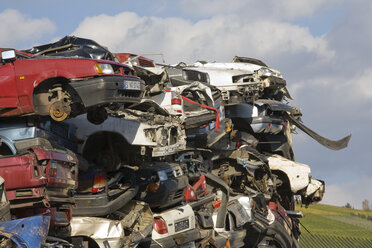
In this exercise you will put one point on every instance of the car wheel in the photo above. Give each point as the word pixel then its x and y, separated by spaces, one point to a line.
pixel 59 110
pixel 97 115
pixel 275 236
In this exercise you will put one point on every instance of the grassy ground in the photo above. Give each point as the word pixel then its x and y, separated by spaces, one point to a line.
pixel 332 226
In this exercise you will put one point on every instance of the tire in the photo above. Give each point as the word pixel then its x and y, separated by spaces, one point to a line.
pixel 97 115
pixel 275 236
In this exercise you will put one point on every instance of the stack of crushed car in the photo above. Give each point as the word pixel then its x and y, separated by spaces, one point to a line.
pixel 112 150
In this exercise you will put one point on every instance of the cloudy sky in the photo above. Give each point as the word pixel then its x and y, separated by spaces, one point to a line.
pixel 322 47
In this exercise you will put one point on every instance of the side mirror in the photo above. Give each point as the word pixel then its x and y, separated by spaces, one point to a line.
pixel 8 55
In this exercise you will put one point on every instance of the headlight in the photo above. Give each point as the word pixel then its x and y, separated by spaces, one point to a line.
pixel 265 72
pixel 104 68
pixel 177 171
pixel 162 175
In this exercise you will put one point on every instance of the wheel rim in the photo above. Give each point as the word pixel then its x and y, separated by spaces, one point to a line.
pixel 59 111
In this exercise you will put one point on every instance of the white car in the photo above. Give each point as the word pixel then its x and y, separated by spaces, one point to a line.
pixel 128 135
pixel 296 179
pixel 175 227
pixel 241 80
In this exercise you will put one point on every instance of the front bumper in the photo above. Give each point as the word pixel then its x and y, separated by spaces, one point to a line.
pixel 107 89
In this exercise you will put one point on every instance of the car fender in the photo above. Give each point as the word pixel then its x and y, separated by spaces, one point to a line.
pixel 9 143
pixel 298 174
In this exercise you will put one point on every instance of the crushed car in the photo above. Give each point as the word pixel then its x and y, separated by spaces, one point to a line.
pixel 100 195
pixel 161 184
pixel 41 181
pixel 130 135
pixel 63 87
pixel 20 133
pixel 242 80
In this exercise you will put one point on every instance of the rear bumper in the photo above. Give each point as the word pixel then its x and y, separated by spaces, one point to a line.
pixel 198 120
pixel 107 89
pixel 93 205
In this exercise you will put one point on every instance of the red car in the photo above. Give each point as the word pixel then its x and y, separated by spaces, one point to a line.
pixel 41 181
pixel 63 86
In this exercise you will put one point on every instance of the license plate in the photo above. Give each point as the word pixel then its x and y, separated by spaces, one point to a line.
pixel 181 225
pixel 132 85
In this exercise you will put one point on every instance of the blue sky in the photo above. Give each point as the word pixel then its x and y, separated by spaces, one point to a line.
pixel 322 47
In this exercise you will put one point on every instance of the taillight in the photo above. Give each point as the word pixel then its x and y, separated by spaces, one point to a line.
pixel 238 144
pixel 190 194
pixel 53 169
pixel 160 226
pixel 176 102
pixel 99 183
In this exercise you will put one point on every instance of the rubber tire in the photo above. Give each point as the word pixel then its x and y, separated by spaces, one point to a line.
pixel 97 116
pixel 275 236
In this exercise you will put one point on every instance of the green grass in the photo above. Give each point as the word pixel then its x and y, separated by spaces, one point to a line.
pixel 332 226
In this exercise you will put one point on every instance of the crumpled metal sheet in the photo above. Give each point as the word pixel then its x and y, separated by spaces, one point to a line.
pixel 315 189
pixel 137 218
pixel 27 232
pixel 331 144
pixel 102 230
pixel 72 46
pixel 240 214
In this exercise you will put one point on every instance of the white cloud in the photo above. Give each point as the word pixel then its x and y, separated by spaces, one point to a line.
pixel 292 9
pixel 353 192
pixel 252 10
pixel 17 27
pixel 216 38
pixel 358 84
